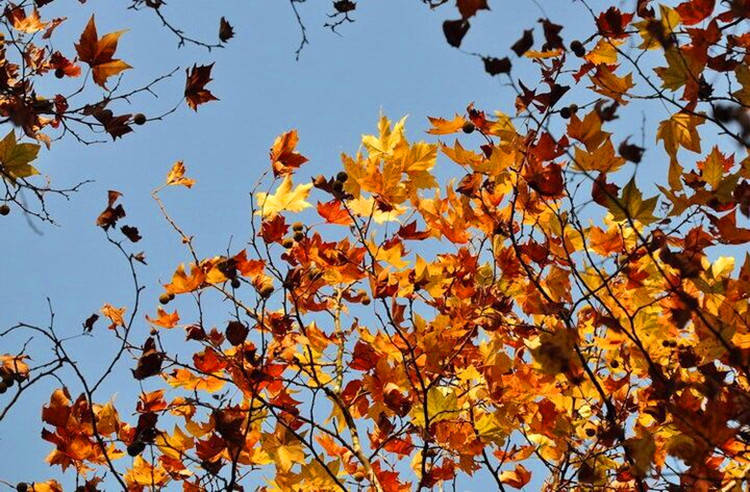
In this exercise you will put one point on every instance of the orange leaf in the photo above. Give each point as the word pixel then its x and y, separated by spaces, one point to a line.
pixel 441 126
pixel 114 314
pixel 516 478
pixel 176 176
pixel 164 319
pixel 334 213
pixel 284 159
pixel 98 53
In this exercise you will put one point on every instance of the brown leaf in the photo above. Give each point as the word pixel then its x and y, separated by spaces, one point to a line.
pixel 236 332
pixel 116 126
pixel 88 325
pixel 131 233
pixel 226 32
pixel 494 66
pixel 195 91
pixel 455 30
pixel 109 217
pixel 552 37
pixel 524 44
pixel 468 8
pixel 344 6
pixel 149 364
pixel 631 152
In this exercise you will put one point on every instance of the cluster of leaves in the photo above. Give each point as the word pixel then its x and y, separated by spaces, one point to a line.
pixel 535 312
pixel 28 60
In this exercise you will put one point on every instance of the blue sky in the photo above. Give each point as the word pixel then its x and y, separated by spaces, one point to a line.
pixel 394 59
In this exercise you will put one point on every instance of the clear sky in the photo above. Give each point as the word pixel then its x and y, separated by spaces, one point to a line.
pixel 394 59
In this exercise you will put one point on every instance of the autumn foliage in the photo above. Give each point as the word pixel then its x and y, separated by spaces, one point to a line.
pixel 507 298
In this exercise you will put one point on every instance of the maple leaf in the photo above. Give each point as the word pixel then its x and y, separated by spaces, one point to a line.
pixel 69 69
pixel 680 130
pixel 601 159
pixel 164 319
pixel 610 85
pixel 114 314
pixel 605 52
pixel 284 448
pixel 657 33
pixel 441 126
pixel 284 158
pixel 524 44
pixel 150 361
pixel 694 11
pixel 195 86
pixel 98 53
pixel 682 69
pixel 116 126
pixel 143 474
pixel 15 158
pixel 742 72
pixel 284 199
pixel 468 8
pixel 109 217
pixel 226 32
pixel 632 205
pixel 176 176
pixel 334 213
pixel 612 23
pixel 28 24
pixel 182 282
pixel 588 131
pixel 516 478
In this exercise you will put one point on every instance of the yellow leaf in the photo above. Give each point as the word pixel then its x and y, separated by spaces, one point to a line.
pixel 605 52
pixel 742 72
pixel 386 142
pixel 538 55
pixel 15 157
pixel 668 22
pixel 441 126
pixel 680 131
pixel 174 445
pixel 176 176
pixel 284 199
pixel 48 486
pixel 601 159
pixel 635 207
pixel 142 474
pixel 284 448
pixel 610 85
pixel 680 69
pixel 588 131
pixel 366 207
pixel 114 314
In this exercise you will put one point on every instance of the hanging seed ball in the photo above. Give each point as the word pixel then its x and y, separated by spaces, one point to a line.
pixel 165 298
pixel 288 243
pixel 578 48
pixel 236 283
pixel 468 127
pixel 342 176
